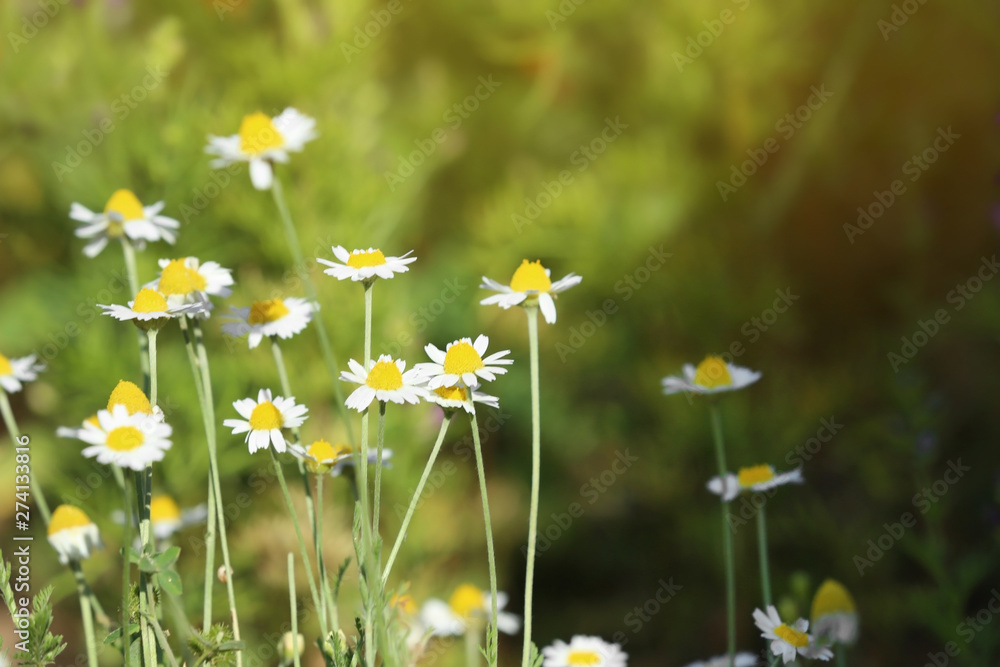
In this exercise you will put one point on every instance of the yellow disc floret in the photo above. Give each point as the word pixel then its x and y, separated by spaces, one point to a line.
pixel 125 438
pixel 792 636
pixel 262 312
pixel 258 134
pixel 385 375
pixel 530 277
pixel 466 600
pixel 452 393
pixel 404 603
pixel 266 417
pixel 5 367
pixel 128 394
pixel 361 259
pixel 67 516
pixel 177 278
pixel 832 598
pixel 582 658
pixel 712 373
pixel 755 475
pixel 462 358
pixel 164 508
pixel 125 204
pixel 149 301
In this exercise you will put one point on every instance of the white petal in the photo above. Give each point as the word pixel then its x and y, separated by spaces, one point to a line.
pixel 261 174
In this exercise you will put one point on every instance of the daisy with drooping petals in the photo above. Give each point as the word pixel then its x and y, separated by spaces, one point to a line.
pixel 743 659
pixel 72 534
pixel 467 606
pixel 14 372
pixel 834 616
pixel 364 265
pixel 463 361
pixel 124 217
pixel 453 398
pixel 187 280
pixel 275 317
pixel 71 432
pixel 788 641
pixel 262 141
pixel 755 479
pixel 124 439
pixel 321 457
pixel 530 283
pixel 584 651
pixel 713 375
pixel 386 380
pixel 149 309
pixel 264 418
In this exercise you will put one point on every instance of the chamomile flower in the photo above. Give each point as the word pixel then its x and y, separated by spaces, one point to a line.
pixel 463 361
pixel 453 398
pixel 755 478
pixel 834 615
pixel 386 380
pixel 788 641
pixel 187 280
pixel 364 265
pixel 166 516
pixel 264 418
pixel 72 534
pixel 713 375
pixel 14 372
pixel 129 395
pixel 275 317
pixel 124 439
pixel 739 660
pixel 321 457
pixel 468 605
pixel 71 432
pixel 262 141
pixel 531 283
pixel 584 651
pixel 149 310
pixel 124 216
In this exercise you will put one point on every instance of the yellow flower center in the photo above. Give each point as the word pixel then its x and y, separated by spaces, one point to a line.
pixel 266 417
pixel 583 658
pixel 92 419
pixel 792 636
pixel 128 394
pixel 755 475
pixel 177 278
pixel 462 358
pixel 404 603
pixel 163 508
pixel 67 516
pixel 124 438
pixel 149 301
pixel 258 134
pixel 5 367
pixel 125 204
pixel 385 375
pixel 530 276
pixel 712 372
pixel 362 259
pixel 452 393
pixel 262 312
pixel 466 600
pixel 832 598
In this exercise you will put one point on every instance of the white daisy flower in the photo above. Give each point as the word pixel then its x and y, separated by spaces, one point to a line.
pixel 322 457
pixel 361 265
pixel 124 216
pixel 463 361
pixel 262 141
pixel 264 418
pixel 128 440
pixel 453 398
pixel 72 534
pixel 739 660
pixel 712 376
pixel 275 317
pixel 187 280
pixel 584 651
pixel 468 605
pixel 149 309
pixel 71 432
pixel 386 380
pixel 789 640
pixel 754 479
pixel 531 281
pixel 14 372
pixel 834 615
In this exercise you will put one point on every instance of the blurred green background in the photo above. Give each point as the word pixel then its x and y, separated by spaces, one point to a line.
pixel 696 90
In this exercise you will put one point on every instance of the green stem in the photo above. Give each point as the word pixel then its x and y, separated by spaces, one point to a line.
pixel 133 282
pixel 145 631
pixel 152 367
pixel 492 627
pixel 727 538
pixel 85 611
pixel 15 434
pixel 334 619
pixel 380 441
pixel 161 637
pixel 126 569
pixel 842 656
pixel 361 470
pixel 415 500
pixel 472 646
pixel 536 456
pixel 765 573
pixel 294 608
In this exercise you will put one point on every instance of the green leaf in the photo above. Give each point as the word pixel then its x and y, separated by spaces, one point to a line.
pixel 167 558
pixel 169 581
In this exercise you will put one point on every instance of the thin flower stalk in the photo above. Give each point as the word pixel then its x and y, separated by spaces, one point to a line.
pixel 128 250
pixel 491 555
pixel 83 591
pixel 529 579
pixel 765 574
pixel 380 441
pixel 727 539
pixel 293 607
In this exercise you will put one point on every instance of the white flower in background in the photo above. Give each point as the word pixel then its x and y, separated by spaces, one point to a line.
pixel 739 660
pixel 187 280
pixel 386 380
pixel 755 479
pixel 124 216
pixel 712 376
pixel 453 398
pixel 72 534
pixel 275 317
pixel 531 281
pixel 166 517
pixel 127 440
pixel 788 641
pixel 468 605
pixel 463 361
pixel 362 265
pixel 322 457
pixel 262 141
pixel 72 432
pixel 14 372
pixel 264 418
pixel 584 651
pixel 834 615
pixel 149 310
